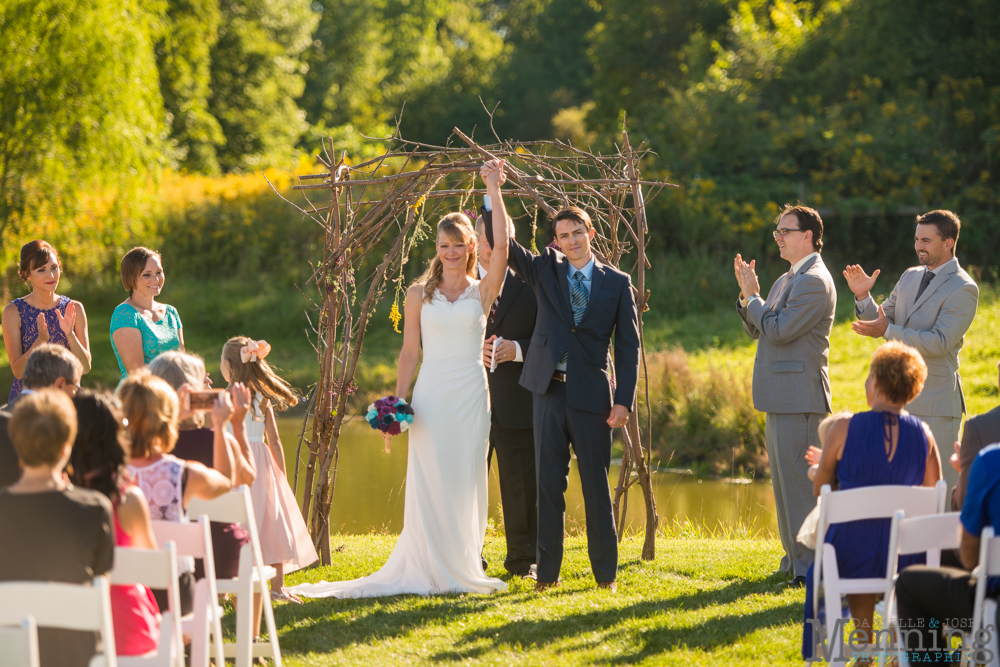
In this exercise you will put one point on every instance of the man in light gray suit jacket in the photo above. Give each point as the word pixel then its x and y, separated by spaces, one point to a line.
pixel 930 309
pixel 791 381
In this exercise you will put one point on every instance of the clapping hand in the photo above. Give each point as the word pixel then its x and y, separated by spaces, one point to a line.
pixel 859 281
pixel 873 328
pixel 493 174
pixel 67 321
pixel 746 276
pixel 222 410
pixel 43 329
pixel 956 459
pixel 241 402
pixel 813 455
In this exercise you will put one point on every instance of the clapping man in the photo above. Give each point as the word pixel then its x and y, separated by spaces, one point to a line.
pixel 512 320
pixel 791 380
pixel 930 309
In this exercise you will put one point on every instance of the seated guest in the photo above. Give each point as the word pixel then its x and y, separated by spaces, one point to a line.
pixel 884 446
pixel 212 447
pixel 48 365
pixel 979 432
pixel 924 594
pixel 813 454
pixel 169 483
pixel 98 463
pixel 51 530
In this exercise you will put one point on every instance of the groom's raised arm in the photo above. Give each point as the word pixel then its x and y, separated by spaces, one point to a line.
pixel 626 349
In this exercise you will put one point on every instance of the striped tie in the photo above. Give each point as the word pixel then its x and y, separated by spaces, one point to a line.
pixel 578 299
pixel 578 295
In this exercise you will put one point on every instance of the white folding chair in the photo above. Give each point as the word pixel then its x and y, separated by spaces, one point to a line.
pixel 870 502
pixel 84 607
pixel 19 646
pixel 236 507
pixel 923 534
pixel 205 620
pixel 157 570
pixel 986 608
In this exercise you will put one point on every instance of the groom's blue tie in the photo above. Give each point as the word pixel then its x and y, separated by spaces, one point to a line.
pixel 578 295
pixel 578 299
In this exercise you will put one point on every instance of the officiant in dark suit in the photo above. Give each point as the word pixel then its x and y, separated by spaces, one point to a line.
pixel 512 319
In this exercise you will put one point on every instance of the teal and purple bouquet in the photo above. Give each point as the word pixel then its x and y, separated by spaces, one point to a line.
pixel 391 415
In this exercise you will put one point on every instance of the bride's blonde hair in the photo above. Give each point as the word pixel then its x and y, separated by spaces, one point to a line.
pixel 457 227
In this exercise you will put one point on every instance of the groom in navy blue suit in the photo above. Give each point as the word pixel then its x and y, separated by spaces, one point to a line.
pixel 581 305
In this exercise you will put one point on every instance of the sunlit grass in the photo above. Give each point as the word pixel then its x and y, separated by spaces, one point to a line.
pixel 700 602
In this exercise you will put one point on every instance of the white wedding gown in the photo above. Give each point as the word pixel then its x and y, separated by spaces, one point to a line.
pixel 445 513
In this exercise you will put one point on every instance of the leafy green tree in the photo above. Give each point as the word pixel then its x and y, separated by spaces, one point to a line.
pixel 191 29
pixel 81 107
pixel 256 77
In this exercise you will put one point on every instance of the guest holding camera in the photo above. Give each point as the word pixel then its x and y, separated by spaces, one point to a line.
pixel 141 328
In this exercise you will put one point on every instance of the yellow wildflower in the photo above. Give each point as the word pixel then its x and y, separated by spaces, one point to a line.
pixel 395 315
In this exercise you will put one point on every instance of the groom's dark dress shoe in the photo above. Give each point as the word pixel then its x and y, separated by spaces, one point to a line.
pixel 545 585
pixel 609 585
pixel 531 573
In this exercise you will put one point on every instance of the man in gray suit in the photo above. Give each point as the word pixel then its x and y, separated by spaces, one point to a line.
pixel 791 381
pixel 930 309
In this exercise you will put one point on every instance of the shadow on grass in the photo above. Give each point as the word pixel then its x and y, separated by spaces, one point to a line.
pixel 329 625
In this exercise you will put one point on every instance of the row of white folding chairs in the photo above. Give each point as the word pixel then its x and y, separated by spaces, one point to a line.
pixel 46 603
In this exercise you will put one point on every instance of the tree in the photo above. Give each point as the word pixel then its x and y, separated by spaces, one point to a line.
pixel 256 76
pixel 81 105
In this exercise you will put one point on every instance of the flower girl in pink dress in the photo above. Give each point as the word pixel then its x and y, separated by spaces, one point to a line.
pixel 284 538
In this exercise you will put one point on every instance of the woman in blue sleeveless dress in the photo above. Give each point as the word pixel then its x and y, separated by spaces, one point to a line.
pixel 885 446
pixel 42 316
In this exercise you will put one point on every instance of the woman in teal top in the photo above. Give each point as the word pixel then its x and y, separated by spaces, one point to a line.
pixel 141 328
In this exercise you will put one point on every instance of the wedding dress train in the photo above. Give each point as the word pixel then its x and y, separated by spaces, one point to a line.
pixel 445 513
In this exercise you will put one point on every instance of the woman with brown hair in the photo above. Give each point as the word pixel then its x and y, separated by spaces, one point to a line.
pixel 42 316
pixel 142 328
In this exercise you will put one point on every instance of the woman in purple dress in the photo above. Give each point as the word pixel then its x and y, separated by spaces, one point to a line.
pixel 42 316
pixel 884 446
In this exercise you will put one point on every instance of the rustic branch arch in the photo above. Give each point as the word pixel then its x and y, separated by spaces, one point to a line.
pixel 368 212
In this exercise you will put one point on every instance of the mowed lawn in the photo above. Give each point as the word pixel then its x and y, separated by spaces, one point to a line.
pixel 702 601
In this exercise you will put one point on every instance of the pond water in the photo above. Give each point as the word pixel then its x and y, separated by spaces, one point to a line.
pixel 369 490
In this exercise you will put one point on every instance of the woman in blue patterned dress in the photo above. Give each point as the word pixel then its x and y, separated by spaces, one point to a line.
pixel 42 316
pixel 141 328
pixel 883 446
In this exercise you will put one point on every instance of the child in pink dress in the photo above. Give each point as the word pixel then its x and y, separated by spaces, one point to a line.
pixel 284 538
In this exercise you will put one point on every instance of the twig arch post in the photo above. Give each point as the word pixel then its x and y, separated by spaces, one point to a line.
pixel 413 182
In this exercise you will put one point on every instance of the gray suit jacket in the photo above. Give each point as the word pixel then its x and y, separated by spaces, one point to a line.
pixel 980 432
pixel 935 324
pixel 792 328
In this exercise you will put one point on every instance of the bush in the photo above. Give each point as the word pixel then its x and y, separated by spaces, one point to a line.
pixel 704 420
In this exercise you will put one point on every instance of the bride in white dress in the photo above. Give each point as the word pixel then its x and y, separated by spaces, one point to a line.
pixel 445 513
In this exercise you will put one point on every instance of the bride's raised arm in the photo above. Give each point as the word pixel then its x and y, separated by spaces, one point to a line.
pixel 493 175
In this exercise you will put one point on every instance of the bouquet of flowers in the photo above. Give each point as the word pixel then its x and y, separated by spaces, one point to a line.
pixel 391 415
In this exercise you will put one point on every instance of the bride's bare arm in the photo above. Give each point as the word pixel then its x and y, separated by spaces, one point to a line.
pixel 493 175
pixel 409 356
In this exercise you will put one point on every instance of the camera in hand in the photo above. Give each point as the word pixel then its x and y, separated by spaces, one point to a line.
pixel 202 401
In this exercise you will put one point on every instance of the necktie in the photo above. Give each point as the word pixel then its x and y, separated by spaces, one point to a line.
pixel 493 309
pixel 578 296
pixel 928 277
pixel 578 299
pixel 781 288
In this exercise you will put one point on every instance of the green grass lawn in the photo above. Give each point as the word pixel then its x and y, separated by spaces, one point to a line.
pixel 702 601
